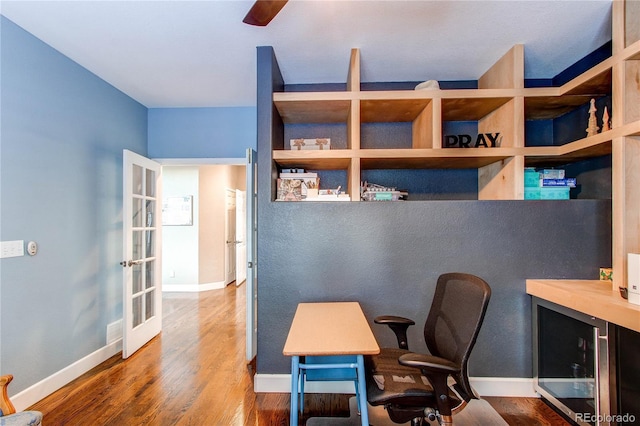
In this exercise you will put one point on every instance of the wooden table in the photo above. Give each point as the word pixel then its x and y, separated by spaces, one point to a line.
pixel 329 329
pixel 592 297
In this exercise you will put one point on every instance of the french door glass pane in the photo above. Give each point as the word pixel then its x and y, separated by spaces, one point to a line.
pixel 151 213
pixel 138 308
pixel 136 245
pixel 151 278
pixel 137 213
pixel 136 277
pixel 151 183
pixel 136 179
pixel 150 311
pixel 150 235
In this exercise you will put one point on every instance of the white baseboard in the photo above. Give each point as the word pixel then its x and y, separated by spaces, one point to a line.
pixel 485 386
pixel 504 386
pixel 191 288
pixel 47 386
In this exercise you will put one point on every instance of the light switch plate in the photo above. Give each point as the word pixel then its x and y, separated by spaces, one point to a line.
pixel 11 248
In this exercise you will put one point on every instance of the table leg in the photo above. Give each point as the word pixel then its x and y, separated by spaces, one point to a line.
pixel 364 413
pixel 295 377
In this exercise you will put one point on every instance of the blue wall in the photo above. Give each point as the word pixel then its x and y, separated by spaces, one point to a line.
pixel 201 132
pixel 62 134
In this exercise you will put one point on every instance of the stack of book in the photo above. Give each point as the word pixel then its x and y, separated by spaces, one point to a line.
pixel 547 184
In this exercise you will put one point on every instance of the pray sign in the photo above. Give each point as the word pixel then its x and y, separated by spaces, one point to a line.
pixel 486 140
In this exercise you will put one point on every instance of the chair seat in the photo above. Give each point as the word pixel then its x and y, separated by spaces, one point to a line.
pixel 25 418
pixel 387 381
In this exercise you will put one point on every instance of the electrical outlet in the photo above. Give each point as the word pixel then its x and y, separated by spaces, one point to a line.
pixel 11 248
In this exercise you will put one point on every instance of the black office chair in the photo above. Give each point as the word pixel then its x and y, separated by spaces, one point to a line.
pixel 416 387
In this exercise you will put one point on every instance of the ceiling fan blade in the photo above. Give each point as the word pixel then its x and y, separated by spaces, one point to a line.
pixel 263 11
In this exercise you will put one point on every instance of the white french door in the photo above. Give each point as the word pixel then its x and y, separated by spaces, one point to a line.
pixel 241 236
pixel 142 278
pixel 252 255
pixel 230 237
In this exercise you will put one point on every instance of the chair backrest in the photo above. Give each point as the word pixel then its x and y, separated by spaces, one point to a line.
pixel 457 311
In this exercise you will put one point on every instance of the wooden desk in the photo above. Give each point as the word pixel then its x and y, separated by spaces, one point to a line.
pixel 591 297
pixel 329 329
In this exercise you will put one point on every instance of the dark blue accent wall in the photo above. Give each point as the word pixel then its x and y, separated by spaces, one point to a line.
pixel 387 256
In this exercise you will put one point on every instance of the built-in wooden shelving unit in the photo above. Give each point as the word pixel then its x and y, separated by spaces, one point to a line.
pixel 500 104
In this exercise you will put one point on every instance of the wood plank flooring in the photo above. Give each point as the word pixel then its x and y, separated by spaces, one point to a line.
pixel 194 373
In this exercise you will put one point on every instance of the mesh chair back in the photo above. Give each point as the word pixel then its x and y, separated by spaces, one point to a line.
pixel 457 311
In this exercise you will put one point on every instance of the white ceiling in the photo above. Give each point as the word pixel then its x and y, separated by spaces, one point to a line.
pixel 200 54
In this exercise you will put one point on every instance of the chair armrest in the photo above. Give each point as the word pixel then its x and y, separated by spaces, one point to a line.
pixel 429 363
pixel 399 326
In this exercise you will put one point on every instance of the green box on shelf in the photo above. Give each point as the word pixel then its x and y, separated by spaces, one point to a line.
pixel 531 193
pixel 531 178
pixel 547 193
pixel 554 193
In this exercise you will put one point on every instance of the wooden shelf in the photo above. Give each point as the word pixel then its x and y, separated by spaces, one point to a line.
pixel 458 107
pixel 544 104
pixel 594 82
pixel 390 110
pixel 333 159
pixel 632 52
pixel 313 107
pixel 446 158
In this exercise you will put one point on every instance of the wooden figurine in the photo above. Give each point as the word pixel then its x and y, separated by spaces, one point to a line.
pixel 592 128
pixel 606 124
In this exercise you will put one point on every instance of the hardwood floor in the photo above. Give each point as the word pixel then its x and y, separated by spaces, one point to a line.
pixel 194 373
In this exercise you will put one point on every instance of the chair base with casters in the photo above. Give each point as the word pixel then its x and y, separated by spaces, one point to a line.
pixel 416 387
pixel 8 415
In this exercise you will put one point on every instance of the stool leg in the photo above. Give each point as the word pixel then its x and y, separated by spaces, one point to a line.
pixel 303 378
pixel 364 412
pixel 355 384
pixel 295 377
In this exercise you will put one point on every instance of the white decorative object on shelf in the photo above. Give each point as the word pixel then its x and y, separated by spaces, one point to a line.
pixel 428 85
pixel 310 144
pixel 592 128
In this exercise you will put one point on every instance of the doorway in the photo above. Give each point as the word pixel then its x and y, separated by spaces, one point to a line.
pixel 200 256
pixel 245 184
